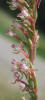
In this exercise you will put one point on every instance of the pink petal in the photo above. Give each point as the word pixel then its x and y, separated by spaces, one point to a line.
pixel 14 61
pixel 9 33
pixel 13 68
pixel 16 75
pixel 22 86
pixel 23 98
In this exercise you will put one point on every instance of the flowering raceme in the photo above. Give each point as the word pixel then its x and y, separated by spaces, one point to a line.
pixel 25 23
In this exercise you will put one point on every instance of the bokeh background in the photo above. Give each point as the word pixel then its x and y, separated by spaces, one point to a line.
pixel 7 90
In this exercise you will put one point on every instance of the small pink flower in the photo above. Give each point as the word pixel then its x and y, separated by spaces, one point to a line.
pixel 24 66
pixel 13 68
pixel 14 61
pixel 16 24
pixel 28 71
pixel 22 86
pixel 23 98
pixel 23 14
pixel 10 33
pixel 16 76
pixel 15 46
pixel 13 4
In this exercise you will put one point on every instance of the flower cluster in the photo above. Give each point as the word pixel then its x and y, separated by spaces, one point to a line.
pixel 25 23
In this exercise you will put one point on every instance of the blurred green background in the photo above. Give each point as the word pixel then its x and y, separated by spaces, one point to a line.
pixel 7 90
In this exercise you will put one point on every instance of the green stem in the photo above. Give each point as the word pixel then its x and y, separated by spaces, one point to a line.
pixel 35 88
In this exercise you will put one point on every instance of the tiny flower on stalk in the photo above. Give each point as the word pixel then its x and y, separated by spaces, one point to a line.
pixel 9 32
pixel 13 68
pixel 16 24
pixel 23 98
pixel 16 76
pixel 14 61
pixel 24 66
pixel 23 14
pixel 22 86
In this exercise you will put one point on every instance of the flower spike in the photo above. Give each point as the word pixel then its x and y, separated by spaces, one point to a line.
pixel 25 23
